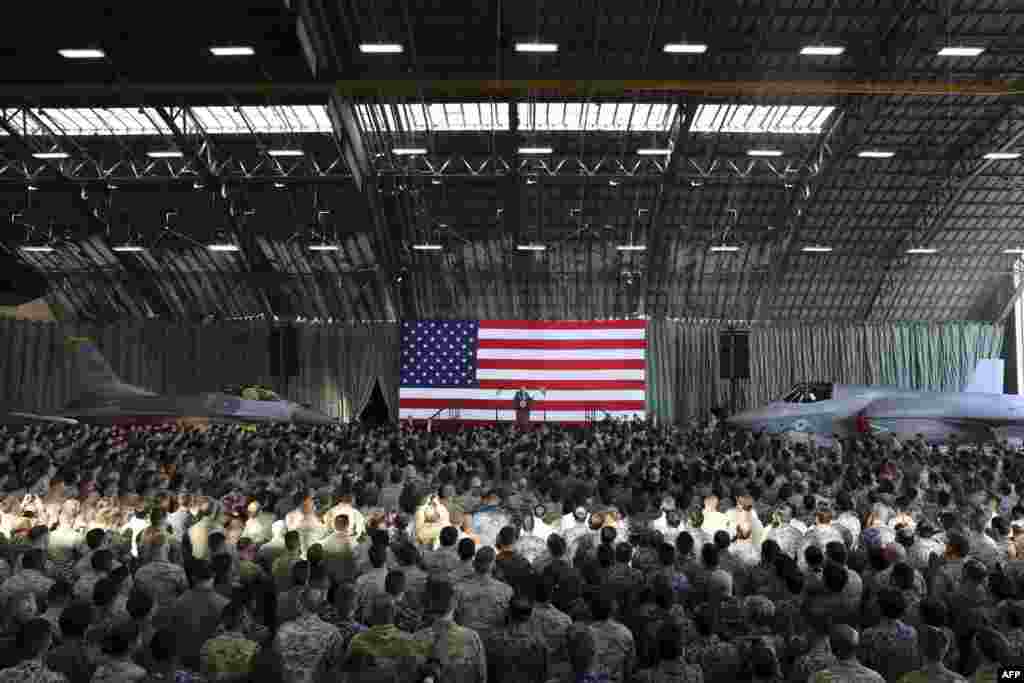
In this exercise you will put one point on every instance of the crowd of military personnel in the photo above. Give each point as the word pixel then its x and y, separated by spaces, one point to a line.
pixel 625 552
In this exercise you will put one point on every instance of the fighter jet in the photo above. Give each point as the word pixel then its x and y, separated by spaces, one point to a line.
pixel 105 399
pixel 979 413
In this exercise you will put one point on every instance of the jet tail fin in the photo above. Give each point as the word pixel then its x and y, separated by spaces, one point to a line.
pixel 987 377
pixel 95 376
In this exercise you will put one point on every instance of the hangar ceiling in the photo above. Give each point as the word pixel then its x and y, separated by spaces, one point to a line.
pixel 625 173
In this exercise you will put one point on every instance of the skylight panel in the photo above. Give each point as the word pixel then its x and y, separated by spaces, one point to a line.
pixel 80 122
pixel 447 117
pixel 604 116
pixel 745 118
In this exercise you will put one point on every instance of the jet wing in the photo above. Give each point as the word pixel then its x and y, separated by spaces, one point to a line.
pixel 938 417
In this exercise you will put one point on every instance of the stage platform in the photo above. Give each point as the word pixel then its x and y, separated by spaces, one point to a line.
pixel 455 425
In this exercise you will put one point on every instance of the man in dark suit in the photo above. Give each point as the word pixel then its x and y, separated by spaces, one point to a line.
pixel 523 401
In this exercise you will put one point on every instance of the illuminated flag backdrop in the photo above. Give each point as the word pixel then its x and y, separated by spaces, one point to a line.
pixel 589 369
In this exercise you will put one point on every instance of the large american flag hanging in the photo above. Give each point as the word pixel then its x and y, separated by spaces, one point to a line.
pixel 576 371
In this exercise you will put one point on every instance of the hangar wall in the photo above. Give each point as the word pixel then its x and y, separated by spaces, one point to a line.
pixel 683 373
pixel 338 364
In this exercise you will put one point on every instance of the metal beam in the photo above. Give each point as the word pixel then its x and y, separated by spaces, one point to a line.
pixel 845 132
pixel 132 94
pixel 657 256
pixel 319 36
pixel 1005 135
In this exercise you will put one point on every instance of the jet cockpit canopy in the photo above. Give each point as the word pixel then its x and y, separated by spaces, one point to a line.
pixel 809 392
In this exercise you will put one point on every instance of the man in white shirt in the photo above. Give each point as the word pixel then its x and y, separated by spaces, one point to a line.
pixel 714 520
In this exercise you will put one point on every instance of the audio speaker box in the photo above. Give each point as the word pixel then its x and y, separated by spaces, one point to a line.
pixel 734 354
pixel 283 349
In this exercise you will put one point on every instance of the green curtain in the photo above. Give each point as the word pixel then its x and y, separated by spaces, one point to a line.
pixel 338 364
pixel 683 374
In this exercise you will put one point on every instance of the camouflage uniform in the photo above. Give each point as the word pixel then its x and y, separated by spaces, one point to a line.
pixel 162 581
pixel 389 650
pixel 76 659
pixel 481 603
pixel 515 654
pixel 308 648
pixel 551 625
pixel 118 671
pixel 933 674
pixel 850 671
pixel 890 649
pixel 615 650
pixel 718 659
pixel 83 588
pixel 26 580
pixel 466 661
pixel 678 671
pixel 31 671
pixel 818 658
pixel 367 586
pixel 228 654
pixel 442 561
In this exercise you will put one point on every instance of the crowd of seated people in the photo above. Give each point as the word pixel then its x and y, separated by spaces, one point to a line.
pixel 626 552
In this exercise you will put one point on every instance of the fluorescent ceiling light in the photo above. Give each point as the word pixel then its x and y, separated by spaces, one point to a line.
pixel 38 249
pixel 51 155
pixel 922 250
pixel 960 51
pixel 427 247
pixel 653 151
pixel 823 50
pixel 165 154
pixel 725 248
pixel 537 47
pixel 536 150
pixel 757 118
pixel 82 53
pixel 1002 156
pixel 381 48
pixel 128 248
pixel 530 247
pixel 875 154
pixel 222 247
pixel 1014 250
pixel 816 250
pixel 323 247
pixel 408 151
pixel 32 188
pixel 232 51
pixel 279 186
pixel 285 152
pixel 685 48
pixel 764 152
pixel 632 247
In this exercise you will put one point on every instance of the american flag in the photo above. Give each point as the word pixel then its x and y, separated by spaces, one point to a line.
pixel 574 370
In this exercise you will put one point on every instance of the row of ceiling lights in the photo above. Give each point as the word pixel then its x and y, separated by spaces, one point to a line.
pixel 679 49
pixel 665 151
pixel 529 48
pixel 227 247
pixel 92 53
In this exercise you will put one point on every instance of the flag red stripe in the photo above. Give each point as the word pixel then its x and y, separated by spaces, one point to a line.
pixel 507 404
pixel 568 384
pixel 564 324
pixel 443 425
pixel 556 344
pixel 535 364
